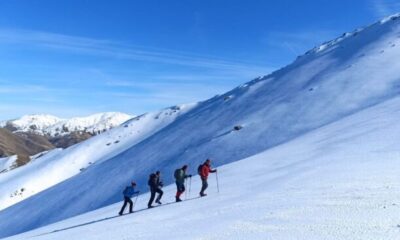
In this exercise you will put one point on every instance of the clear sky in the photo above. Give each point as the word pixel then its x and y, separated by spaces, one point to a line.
pixel 77 57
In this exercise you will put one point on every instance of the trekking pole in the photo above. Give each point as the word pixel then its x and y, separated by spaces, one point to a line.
pixel 134 203
pixel 190 185
pixel 185 190
pixel 216 175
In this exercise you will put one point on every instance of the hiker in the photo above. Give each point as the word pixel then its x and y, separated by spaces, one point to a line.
pixel 128 192
pixel 155 185
pixel 180 176
pixel 204 170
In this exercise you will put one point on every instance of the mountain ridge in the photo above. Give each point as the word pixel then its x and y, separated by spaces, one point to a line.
pixel 32 134
pixel 44 124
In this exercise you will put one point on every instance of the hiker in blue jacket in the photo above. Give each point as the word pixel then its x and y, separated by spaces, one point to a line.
pixel 128 192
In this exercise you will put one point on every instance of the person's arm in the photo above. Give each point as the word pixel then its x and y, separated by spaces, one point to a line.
pixel 188 176
pixel 213 171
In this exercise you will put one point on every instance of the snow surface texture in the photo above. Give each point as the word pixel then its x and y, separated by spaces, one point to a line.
pixel 58 165
pixel 356 73
pixel 340 181
pixel 54 126
pixel 7 163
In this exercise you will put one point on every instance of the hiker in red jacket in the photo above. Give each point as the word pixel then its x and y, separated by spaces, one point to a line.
pixel 204 170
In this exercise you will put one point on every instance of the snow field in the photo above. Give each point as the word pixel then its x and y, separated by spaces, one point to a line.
pixel 338 182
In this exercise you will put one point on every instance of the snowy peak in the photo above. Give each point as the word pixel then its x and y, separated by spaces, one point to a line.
pixel 332 44
pixel 54 126
pixel 92 124
pixel 36 122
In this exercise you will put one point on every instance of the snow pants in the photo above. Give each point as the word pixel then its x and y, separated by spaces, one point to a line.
pixel 204 185
pixel 153 192
pixel 180 188
pixel 126 201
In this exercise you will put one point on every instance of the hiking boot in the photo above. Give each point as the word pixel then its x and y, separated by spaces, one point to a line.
pixel 203 194
pixel 120 213
pixel 159 202
pixel 178 199
pixel 149 206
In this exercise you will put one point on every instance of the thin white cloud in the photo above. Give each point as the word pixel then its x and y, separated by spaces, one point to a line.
pixel 298 42
pixel 383 8
pixel 16 110
pixel 115 49
pixel 168 93
pixel 22 88
pixel 30 89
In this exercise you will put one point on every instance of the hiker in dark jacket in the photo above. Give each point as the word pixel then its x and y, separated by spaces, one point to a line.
pixel 180 176
pixel 128 193
pixel 155 185
pixel 204 171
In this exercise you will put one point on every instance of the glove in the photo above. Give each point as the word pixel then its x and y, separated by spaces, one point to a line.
pixel 190 176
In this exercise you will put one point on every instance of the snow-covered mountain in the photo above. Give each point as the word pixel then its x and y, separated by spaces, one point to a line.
pixel 333 85
pixel 339 181
pixel 54 126
pixel 33 134
pixel 58 165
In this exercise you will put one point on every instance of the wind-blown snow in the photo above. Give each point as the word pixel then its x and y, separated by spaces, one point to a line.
pixel 340 181
pixel 318 89
pixel 59 165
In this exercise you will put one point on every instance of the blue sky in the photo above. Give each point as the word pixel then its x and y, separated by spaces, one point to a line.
pixel 77 57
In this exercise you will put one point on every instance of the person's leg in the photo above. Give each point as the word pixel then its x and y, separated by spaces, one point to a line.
pixel 130 205
pixel 177 189
pixel 160 193
pixel 204 186
pixel 123 206
pixel 181 189
pixel 152 196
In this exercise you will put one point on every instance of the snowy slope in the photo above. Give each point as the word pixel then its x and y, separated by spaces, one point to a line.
pixel 329 83
pixel 7 163
pixel 340 181
pixel 58 165
pixel 54 126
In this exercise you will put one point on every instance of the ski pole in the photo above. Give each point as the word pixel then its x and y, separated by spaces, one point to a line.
pixel 134 203
pixel 216 175
pixel 185 190
pixel 190 185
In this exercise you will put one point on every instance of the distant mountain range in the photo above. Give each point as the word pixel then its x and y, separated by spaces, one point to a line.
pixel 52 126
pixel 32 134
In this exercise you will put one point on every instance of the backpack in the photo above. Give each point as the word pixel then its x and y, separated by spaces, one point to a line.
pixel 199 168
pixel 151 179
pixel 176 173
